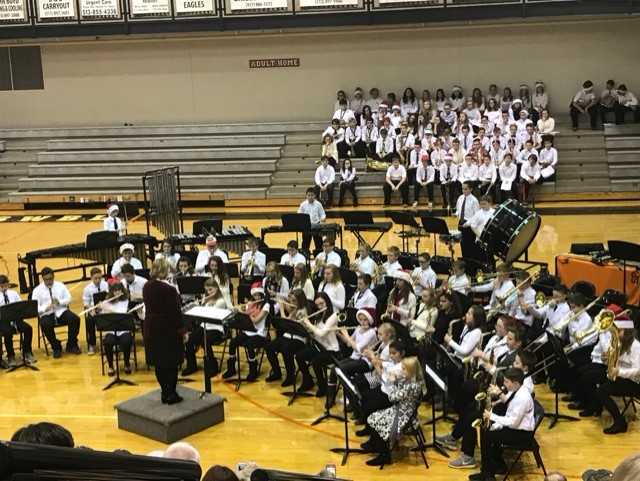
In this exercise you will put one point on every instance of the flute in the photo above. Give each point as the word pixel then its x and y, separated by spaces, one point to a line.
pixel 136 308
pixel 92 308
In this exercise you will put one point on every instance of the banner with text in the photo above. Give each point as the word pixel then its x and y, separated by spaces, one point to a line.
pixel 56 9
pixel 99 9
pixel 241 5
pixel 149 7
pixel 12 10
pixel 193 7
pixel 328 3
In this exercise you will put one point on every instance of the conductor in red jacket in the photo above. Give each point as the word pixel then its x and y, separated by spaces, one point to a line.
pixel 163 329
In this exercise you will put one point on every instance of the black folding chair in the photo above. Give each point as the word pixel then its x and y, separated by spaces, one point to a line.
pixel 413 429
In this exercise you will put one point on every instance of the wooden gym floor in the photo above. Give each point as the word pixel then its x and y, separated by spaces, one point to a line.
pixel 259 426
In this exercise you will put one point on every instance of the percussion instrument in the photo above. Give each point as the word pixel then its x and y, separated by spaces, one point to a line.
pixel 510 231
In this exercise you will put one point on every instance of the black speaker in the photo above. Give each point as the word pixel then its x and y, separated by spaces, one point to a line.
pixel 587 248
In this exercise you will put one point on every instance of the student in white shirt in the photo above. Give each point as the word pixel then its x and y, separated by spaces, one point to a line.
pixel 529 177
pixel 212 250
pixel 425 178
pixel 369 134
pixel 363 263
pixel 384 146
pixel 423 276
pixel 548 159
pixel 330 150
pixel 353 145
pixel 53 309
pixel 167 253
pixel 487 176
pixel 292 256
pixel 113 222
pixel 363 297
pixel 324 179
pixel 468 171
pixel 333 287
pixel 479 220
pixel 546 124
pixel 348 182
pixel 539 102
pixel 626 102
pixel 357 103
pixel 126 252
pixel 448 178
pixel 258 311
pixel 458 281
pixel 401 302
pixel 301 281
pixel 396 180
pixel 328 256
pixel 470 338
pixel 254 262
pixel 508 171
pixel 135 285
pixel 405 142
pixel 361 340
pixel 315 211
pixel 9 327
pixel 341 97
pixel 343 112
pixel 466 206
pixel 97 285
pixel 396 117
pixel 408 103
pixel 585 101
pixel 122 339
pixel 374 100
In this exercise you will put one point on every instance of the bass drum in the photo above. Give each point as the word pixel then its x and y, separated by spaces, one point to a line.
pixel 510 231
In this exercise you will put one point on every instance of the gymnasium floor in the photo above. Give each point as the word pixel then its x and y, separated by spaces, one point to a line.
pixel 259 426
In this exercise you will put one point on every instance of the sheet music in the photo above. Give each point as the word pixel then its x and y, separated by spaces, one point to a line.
pixel 347 382
pixel 547 172
pixel 505 185
pixel 432 374
pixel 209 312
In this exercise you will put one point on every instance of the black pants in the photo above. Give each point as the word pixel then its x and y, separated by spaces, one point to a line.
pixel 604 111
pixel 417 188
pixel 468 245
pixel 167 379
pixel 306 241
pixel 504 194
pixel 463 428
pixel 593 116
pixel 124 342
pixel 288 347
pixel 492 446
pixel 250 343
pixel 357 150
pixel 196 340
pixel 90 328
pixel 404 191
pixel 8 330
pixel 448 192
pixel 620 110
pixel 375 400
pixel 567 375
pixel 619 387
pixel 348 187
pixel 68 318
pixel 319 360
pixel 329 194
pixel 590 376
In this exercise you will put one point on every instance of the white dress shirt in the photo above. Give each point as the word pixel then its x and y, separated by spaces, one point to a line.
pixel 287 260
pixel 363 339
pixel 362 299
pixel 44 295
pixel 425 174
pixel 325 334
pixel 343 114
pixel 352 135
pixel 12 296
pixel 507 175
pixel 91 289
pixel 425 277
pixel 469 340
pixel 396 174
pixel 115 307
pixel 448 173
pixel 629 363
pixel 459 283
pixel 487 173
pixel 365 266
pixel 348 175
pixel 384 146
pixel 135 287
pixel 520 413
pixel 581 324
pixel 203 259
pixel 529 298
pixel 259 263
pixel 602 346
pixel 391 268
pixel 335 291
pixel 309 290
pixel 116 268
pixel 405 141
pixel 314 210
pixel 548 161
pixel 471 206
pixel 261 327
pixel 333 258
pixel 497 293
pixel 468 172
pixel 172 259
pixel 113 224
pixel 530 173
pixel 325 175
pixel 369 135
pixel 479 221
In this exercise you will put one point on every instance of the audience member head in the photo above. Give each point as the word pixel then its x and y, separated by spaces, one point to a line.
pixel 183 451
pixel 219 473
pixel 159 269
pixel 628 470
pixel 44 433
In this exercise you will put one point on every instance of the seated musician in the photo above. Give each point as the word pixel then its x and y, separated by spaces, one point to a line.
pixel 122 339
pixel 423 276
pixel 551 313
pixel 169 255
pixel 53 308
pixel 526 296
pixel 301 281
pixel 448 311
pixel 388 269
pixel 293 255
pixel 396 180
pixel 97 284
pixel 364 264
pixel 372 379
pixel 502 291
pixel 218 273
pixel 184 268
pixel 328 256
pixel 514 427
pixel 424 323
pixel 313 208
pixel 324 180
pixel 479 220
pixel 333 287
pixel 8 328
pixel 287 344
pixel 363 297
pixel 258 311
pixel 252 268
pixel 275 284
pixel 212 250
pixel 326 349
pixel 459 281
pixel 214 297
pixel 625 376
pixel 497 346
pixel 526 361
pixel 126 253
pixel 112 222
pixel 388 423
pixel 401 303
pixel 134 284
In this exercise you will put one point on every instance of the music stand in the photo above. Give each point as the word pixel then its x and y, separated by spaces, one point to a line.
pixel 456 364
pixel 624 251
pixel 355 218
pixel 207 227
pixel 405 219
pixel 240 322
pixel 440 384
pixel 115 322
pixel 193 285
pixel 560 359
pixel 354 396
pixel 327 408
pixel 294 328
pixel 101 239
pixel 435 225
pixel 19 311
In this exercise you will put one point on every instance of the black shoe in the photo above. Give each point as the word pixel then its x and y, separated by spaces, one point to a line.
pixel 587 413
pixel 367 446
pixel 231 369
pixel 127 369
pixel 57 354
pixel 211 368
pixel 476 477
pixel 568 398
pixel 307 385
pixel 288 381
pixel 163 398
pixel 253 371
pixel 616 427
pixel 321 392
pixel 111 372
pixel 274 376
pixel 3 364
pixel 74 349
pixel 366 431
pixel 379 460
pixel 187 371
pixel 174 398
pixel 575 406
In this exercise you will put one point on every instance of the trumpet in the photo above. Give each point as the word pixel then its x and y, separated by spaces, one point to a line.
pixel 96 306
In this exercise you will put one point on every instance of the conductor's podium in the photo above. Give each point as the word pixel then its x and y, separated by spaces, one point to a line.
pixel 147 416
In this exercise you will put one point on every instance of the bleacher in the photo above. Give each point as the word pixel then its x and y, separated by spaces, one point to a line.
pixel 274 161
pixel 623 156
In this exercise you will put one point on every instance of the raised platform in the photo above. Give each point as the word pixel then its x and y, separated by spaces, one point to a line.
pixel 147 416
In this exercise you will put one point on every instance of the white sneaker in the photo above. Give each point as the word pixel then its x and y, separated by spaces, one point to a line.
pixel 463 462
pixel 415 204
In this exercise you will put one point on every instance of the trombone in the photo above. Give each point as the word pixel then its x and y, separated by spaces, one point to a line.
pixel 559 328
pixel 601 323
